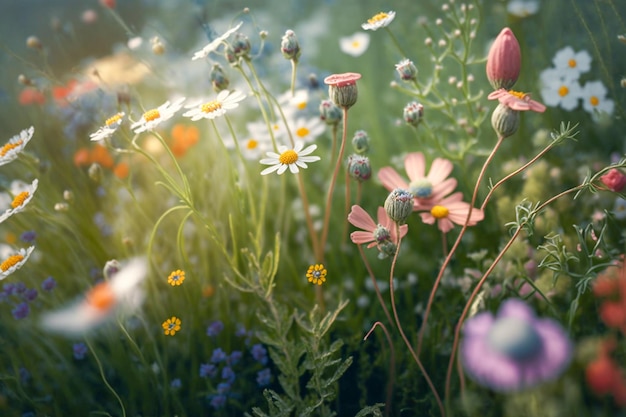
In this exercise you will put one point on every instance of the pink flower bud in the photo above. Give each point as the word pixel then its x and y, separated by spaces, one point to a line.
pixel 615 180
pixel 504 60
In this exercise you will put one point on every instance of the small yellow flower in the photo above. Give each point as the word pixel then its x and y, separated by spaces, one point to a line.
pixel 316 274
pixel 176 278
pixel 171 326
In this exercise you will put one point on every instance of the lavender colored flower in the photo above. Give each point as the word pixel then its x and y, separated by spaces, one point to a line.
pixel 228 374
pixel 29 236
pixel 235 357
pixel 48 284
pixel 9 288
pixel 215 328
pixel 207 370
pixel 30 294
pixel 264 377
pixel 513 350
pixel 218 401
pixel 223 388
pixel 218 355
pixel 80 350
pixel 21 311
pixel 259 353
pixel 20 288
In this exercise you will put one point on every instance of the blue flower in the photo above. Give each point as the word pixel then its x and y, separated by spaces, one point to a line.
pixel 176 383
pixel 223 388
pixel 207 370
pixel 29 236
pixel 215 328
pixel 218 401
pixel 80 350
pixel 264 377
pixel 21 311
pixel 259 353
pixel 48 284
pixel 235 357
pixel 30 294
pixel 228 374
pixel 218 355
pixel 241 330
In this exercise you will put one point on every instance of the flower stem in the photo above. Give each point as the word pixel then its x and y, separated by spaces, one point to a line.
pixel 392 364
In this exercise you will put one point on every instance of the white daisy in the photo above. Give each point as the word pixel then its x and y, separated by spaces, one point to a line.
pixel 15 145
pixel 100 302
pixel 559 90
pixel 289 158
pixel 594 98
pixel 378 21
pixel 14 262
pixel 296 102
pixel 225 100
pixel 110 126
pixel 215 43
pixel 152 118
pixel 522 8
pixel 355 45
pixel 20 200
pixel 571 63
pixel 307 129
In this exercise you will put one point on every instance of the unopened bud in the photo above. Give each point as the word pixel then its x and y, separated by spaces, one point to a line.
pixel 241 45
pixel 95 173
pixel 622 38
pixel 361 142
pixel 111 268
pixel 407 70
pixel 157 47
pixel 24 80
pixel 68 195
pixel 505 120
pixel 230 56
pixel 359 167
pixel 504 60
pixel 289 46
pixel 413 113
pixel 219 81
pixel 34 42
pixel 61 207
pixel 399 205
pixel 342 88
pixel 263 34
pixel 615 180
pixel 330 113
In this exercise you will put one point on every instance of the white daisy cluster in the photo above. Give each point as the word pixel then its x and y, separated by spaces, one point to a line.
pixel 561 85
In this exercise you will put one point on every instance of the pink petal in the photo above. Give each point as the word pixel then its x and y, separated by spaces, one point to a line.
pixel 427 217
pixel 359 218
pixel 415 165
pixel 391 179
pixel 445 225
pixel 441 190
pixel 457 212
pixel 495 95
pixel 439 170
pixel 360 237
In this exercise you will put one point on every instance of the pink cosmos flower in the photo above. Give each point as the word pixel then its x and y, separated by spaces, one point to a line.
pixel 451 210
pixel 428 189
pixel 516 100
pixel 373 233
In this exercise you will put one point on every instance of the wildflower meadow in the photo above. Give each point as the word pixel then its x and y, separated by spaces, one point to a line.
pixel 313 208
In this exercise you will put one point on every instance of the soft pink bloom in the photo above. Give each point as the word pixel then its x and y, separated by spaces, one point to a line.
pixel 615 180
pixel 451 210
pixel 427 190
pixel 516 100
pixel 504 60
pixel 371 231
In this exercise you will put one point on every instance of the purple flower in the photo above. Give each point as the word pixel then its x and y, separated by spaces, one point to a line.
pixel 48 284
pixel 207 370
pixel 235 357
pixel 21 311
pixel 515 349
pixel 228 374
pixel 215 328
pixel 80 350
pixel 28 236
pixel 218 401
pixel 218 355
pixel 176 383
pixel 263 377
pixel 9 288
pixel 259 353
pixel 30 294
pixel 223 388
pixel 241 330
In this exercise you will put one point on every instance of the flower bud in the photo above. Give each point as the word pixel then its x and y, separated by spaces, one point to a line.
pixel 359 167
pixel 218 78
pixel 330 113
pixel 61 207
pixel 387 248
pixel 615 180
pixel 241 45
pixel 399 205
pixel 24 80
pixel 230 56
pixel 289 46
pixel 342 88
pixel 407 70
pixel 34 42
pixel 505 120
pixel 68 195
pixel 361 142
pixel 95 173
pixel 504 60
pixel 111 268
pixel 413 113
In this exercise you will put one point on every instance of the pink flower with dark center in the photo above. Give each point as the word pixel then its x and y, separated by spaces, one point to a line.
pixel 449 211
pixel 504 60
pixel 516 100
pixel 427 190
pixel 373 233
pixel 615 180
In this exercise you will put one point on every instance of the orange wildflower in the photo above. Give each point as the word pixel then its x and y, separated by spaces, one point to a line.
pixel 30 96
pixel 101 155
pixel 183 138
pixel 121 170
pixel 82 157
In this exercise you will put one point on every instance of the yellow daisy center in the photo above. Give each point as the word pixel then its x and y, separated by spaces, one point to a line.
pixel 252 144
pixel 301 105
pixel 114 119
pixel 10 262
pixel 355 44
pixel 151 115
pixel 563 91
pixel 594 100
pixel 378 18
pixel 19 199
pixel 302 132
pixel 288 157
pixel 6 148
pixel 571 63
pixel 439 212
pixel 519 94
pixel 211 106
